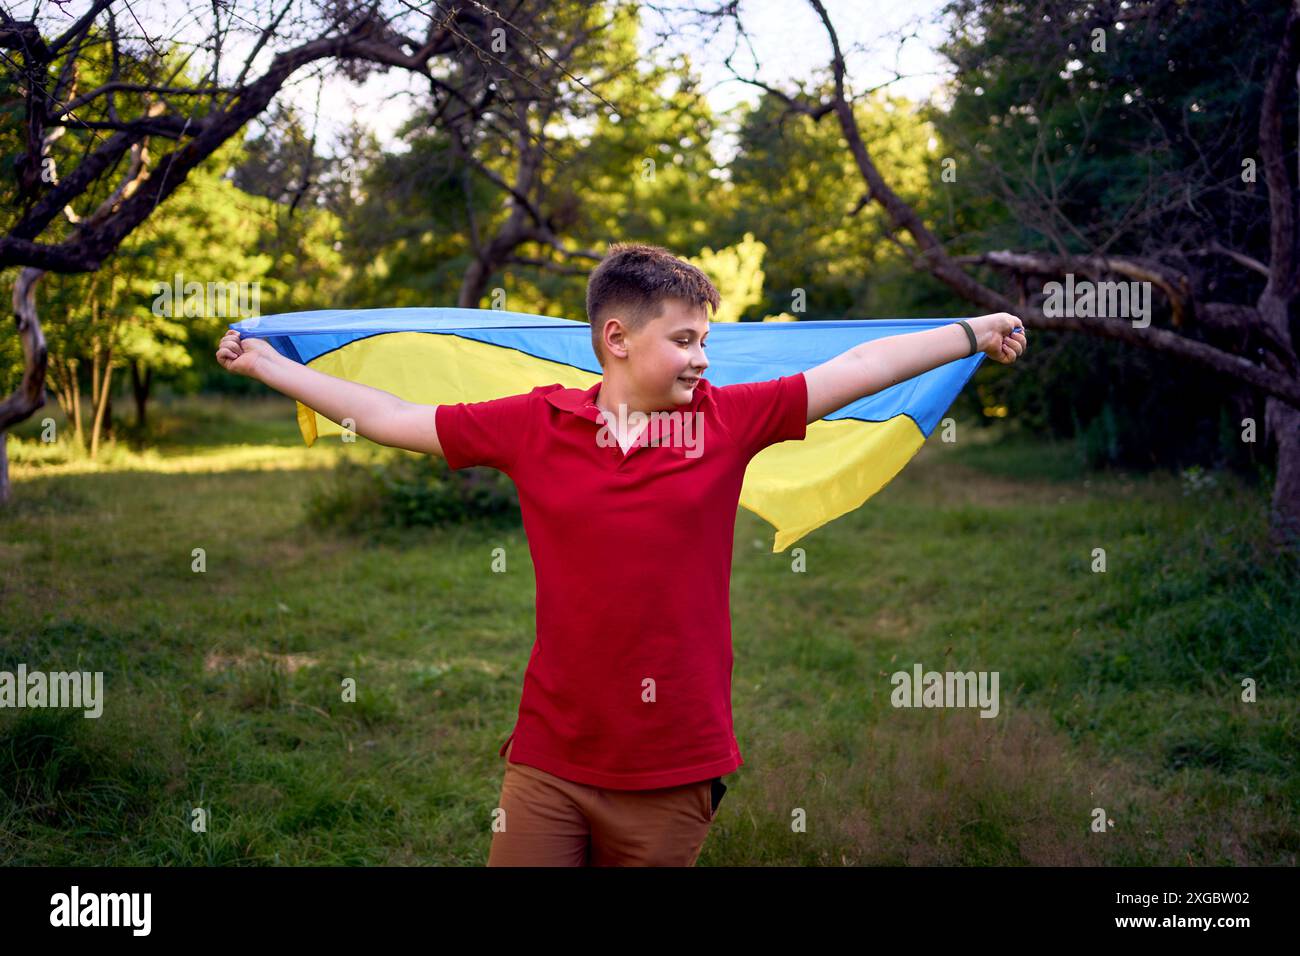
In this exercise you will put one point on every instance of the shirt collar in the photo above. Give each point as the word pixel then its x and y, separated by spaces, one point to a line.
pixel 578 401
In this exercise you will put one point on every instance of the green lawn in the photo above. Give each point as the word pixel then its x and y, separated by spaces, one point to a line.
pixel 1119 691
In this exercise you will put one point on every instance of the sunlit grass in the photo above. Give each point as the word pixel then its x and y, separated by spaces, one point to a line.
pixel 185 434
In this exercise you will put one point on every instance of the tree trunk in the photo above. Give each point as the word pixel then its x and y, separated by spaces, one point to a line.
pixel 74 383
pixel 487 259
pixel 106 431
pixel 94 397
pixel 62 378
pixel 474 284
pixel 100 399
pixel 1283 423
pixel 140 389
pixel 30 394
pixel 4 466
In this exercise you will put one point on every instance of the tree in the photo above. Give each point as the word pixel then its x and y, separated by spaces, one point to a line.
pixel 540 170
pixel 85 179
pixel 796 188
pixel 1058 31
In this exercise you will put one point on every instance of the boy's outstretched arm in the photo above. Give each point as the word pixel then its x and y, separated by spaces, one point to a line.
pixel 874 366
pixel 378 415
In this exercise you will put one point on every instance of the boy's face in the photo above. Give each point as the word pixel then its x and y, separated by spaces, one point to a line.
pixel 667 350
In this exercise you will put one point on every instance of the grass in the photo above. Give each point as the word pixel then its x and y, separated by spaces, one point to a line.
pixel 1120 691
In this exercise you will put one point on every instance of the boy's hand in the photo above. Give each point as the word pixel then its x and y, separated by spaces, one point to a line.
pixel 243 356
pixel 1000 336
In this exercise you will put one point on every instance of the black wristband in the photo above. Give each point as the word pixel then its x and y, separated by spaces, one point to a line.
pixel 970 334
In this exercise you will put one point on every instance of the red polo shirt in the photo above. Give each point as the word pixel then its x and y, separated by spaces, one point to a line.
pixel 629 681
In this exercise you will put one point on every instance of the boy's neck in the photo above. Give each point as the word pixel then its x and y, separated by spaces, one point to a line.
pixel 612 394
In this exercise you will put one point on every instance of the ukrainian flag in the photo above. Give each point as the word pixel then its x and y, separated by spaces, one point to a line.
pixel 443 356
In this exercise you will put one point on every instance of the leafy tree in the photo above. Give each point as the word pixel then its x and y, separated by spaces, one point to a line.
pixel 797 190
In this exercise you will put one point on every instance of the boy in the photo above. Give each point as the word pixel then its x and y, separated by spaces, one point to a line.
pixel 624 727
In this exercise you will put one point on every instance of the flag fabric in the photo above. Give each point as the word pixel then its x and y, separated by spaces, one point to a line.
pixel 438 356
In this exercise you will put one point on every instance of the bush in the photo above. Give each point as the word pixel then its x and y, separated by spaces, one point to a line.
pixel 1100 442
pixel 412 491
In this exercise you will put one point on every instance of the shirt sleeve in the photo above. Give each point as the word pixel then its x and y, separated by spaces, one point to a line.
pixel 483 433
pixel 758 414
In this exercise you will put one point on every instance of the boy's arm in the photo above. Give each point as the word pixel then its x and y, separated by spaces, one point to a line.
pixel 378 415
pixel 874 366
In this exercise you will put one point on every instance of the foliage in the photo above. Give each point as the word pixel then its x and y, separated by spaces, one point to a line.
pixel 1080 128
pixel 794 186
pixel 412 491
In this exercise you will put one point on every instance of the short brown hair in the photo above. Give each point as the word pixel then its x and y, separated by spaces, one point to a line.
pixel 636 278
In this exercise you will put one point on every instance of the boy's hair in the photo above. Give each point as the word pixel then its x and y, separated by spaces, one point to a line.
pixel 634 279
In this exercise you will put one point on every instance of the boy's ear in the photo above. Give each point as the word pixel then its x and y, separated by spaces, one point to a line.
pixel 619 335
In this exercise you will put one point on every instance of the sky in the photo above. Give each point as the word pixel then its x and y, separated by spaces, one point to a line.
pixel 790 43
pixel 787 37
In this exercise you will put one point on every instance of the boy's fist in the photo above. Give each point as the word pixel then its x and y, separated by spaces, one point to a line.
pixel 1001 336
pixel 243 356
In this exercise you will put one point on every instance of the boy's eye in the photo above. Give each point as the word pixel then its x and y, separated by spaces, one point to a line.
pixel 703 345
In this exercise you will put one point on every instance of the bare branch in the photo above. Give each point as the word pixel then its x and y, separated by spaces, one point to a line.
pixel 1174 285
pixel 1217 248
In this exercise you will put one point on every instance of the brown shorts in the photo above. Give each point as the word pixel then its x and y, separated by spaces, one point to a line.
pixel 550 821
